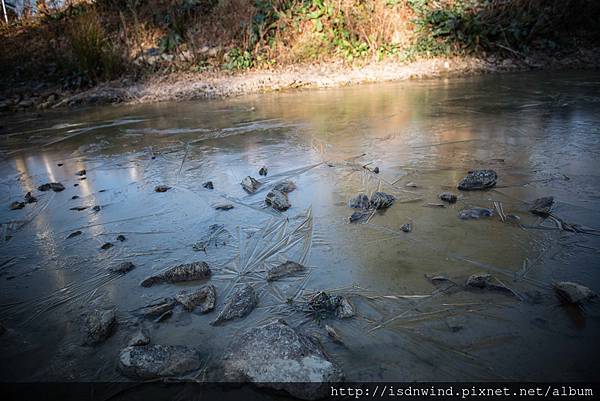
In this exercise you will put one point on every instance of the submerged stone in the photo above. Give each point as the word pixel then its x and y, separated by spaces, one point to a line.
pixel 223 206
pixel 155 361
pixel 98 325
pixel 184 272
pixel 278 200
pixel 139 338
pixel 285 186
pixel 358 216
pixel 208 185
pixel 542 206
pixel 54 186
pixel 161 188
pixel 283 270
pixel 263 171
pixel 573 293
pixel 406 227
pixel 74 234
pixel 381 200
pixel 158 308
pixel 250 184
pixel 448 197
pixel 30 198
pixel 122 267
pixel 204 298
pixel 475 213
pixel 106 245
pixel 121 237
pixel 242 301
pixel 277 356
pixel 17 205
pixel 360 201
pixel 478 179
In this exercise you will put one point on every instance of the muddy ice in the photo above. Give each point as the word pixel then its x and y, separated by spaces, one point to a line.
pixel 450 275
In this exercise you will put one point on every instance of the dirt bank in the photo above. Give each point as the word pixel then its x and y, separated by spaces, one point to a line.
pixel 221 84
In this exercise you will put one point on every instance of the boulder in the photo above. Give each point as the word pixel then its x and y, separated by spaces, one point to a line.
pixel 477 180
pixel 156 361
pixel 277 356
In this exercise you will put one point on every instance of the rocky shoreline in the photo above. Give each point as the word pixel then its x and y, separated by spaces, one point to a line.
pixel 223 84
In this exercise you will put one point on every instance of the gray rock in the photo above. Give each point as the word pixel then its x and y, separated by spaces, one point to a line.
pixel 573 293
pixel 81 173
pixel 155 361
pixel 284 269
pixel 204 298
pixel 278 200
pixel 123 267
pixel 475 213
pixel 208 185
pixel 250 185
pixel 361 201
pixel 54 186
pixel 185 272
pixel 381 200
pixel 98 325
pixel 263 171
pixel 139 338
pixel 286 187
pixel 406 227
pixel 478 179
pixel 325 305
pixel 158 308
pixel 161 188
pixel 279 357
pixel 242 301
pixel 448 197
pixel 542 206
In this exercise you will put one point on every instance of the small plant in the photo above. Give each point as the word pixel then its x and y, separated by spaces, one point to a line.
pixel 96 56
pixel 237 59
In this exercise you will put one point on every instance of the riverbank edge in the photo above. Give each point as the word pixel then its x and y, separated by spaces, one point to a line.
pixel 224 84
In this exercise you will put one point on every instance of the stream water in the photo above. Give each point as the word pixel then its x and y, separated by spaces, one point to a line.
pixel 539 131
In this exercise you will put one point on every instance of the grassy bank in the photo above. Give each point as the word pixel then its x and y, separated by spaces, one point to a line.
pixel 87 43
